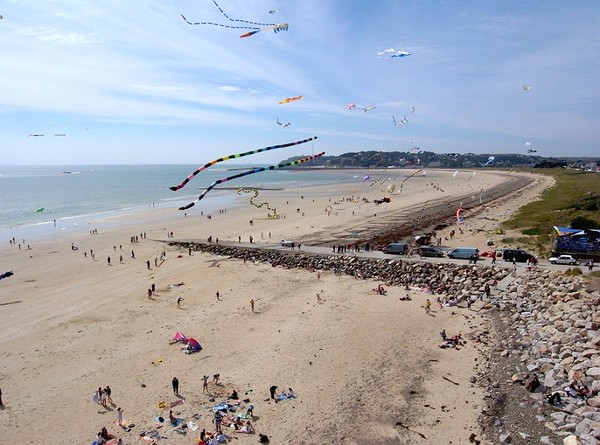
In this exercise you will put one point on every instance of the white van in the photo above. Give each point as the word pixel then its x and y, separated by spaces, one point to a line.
pixel 463 253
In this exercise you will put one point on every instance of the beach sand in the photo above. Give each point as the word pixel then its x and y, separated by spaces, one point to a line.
pixel 365 368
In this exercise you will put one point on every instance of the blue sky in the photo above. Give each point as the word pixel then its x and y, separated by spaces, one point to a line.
pixel 129 82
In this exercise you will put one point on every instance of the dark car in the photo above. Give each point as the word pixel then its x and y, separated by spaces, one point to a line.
pixel 431 251
pixel 519 256
pixel 396 248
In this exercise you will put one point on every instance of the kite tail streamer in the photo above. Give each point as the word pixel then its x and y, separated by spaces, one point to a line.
pixel 271 215
pixel 239 20
pixel 235 156
pixel 406 179
pixel 250 172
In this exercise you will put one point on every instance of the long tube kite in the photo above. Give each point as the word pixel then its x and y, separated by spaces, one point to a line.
pixel 256 27
pixel 407 178
pixel 235 156
pixel 250 172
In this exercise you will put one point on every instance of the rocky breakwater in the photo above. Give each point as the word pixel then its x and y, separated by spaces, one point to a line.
pixel 454 280
pixel 548 327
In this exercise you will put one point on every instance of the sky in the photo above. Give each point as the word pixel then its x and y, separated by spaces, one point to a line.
pixel 130 82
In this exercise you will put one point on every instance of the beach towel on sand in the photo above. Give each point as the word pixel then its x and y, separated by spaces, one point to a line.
pixel 177 422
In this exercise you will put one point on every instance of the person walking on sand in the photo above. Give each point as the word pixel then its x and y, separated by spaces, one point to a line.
pixel 218 296
pixel 179 300
pixel 252 304
pixel 119 416
pixel 108 392
pixel 1 404
pixel 427 306
pixel 108 260
pixel 205 384
pixel 148 265
pixel 175 384
pixel 149 294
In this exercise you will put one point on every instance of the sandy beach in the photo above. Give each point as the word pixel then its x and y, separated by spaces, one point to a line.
pixel 365 368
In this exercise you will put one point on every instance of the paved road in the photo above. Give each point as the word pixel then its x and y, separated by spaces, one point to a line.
pixel 377 254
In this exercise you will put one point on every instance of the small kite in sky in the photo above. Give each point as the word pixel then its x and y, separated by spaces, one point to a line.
pixel 255 27
pixel 236 156
pixel 287 100
pixel 526 87
pixel 250 172
pixel 527 144
pixel 404 120
pixel 287 124
pixel 391 52
pixel 34 135
pixel 274 11
pixel 531 151
pixel 357 108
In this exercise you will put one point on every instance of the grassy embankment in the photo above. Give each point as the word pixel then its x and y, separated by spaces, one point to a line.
pixel 575 194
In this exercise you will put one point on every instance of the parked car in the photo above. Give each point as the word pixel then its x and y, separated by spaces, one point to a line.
pixel 463 253
pixel 397 248
pixel 520 256
pixel 563 259
pixel 285 243
pixel 431 251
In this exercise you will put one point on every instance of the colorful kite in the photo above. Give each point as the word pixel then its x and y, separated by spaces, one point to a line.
pixel 459 218
pixel 272 215
pixel 276 27
pixel 40 210
pixel 250 172
pixel 287 100
pixel 256 27
pixel 235 156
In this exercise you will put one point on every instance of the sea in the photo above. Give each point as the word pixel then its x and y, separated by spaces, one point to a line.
pixel 37 201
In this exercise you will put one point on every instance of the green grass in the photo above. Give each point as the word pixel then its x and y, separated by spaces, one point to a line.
pixel 574 194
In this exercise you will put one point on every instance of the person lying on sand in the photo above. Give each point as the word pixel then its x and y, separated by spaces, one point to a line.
pixel 246 428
